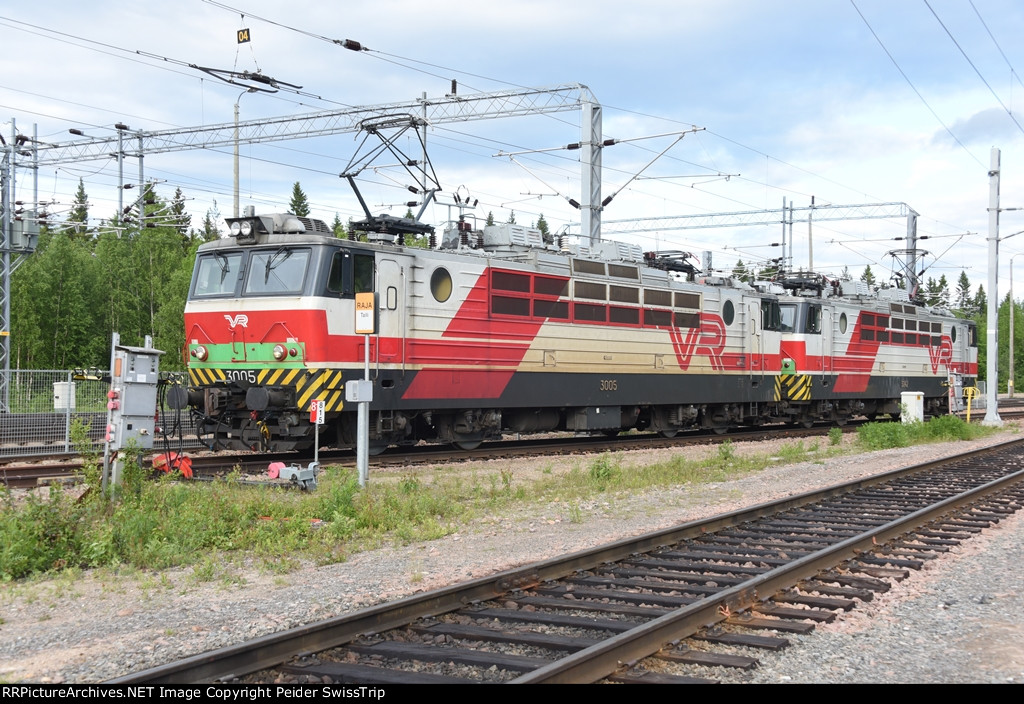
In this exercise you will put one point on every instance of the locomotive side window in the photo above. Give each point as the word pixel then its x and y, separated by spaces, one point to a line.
pixel 813 323
pixel 217 274
pixel 336 277
pixel 441 284
pixel 771 318
pixel 362 273
pixel 350 274
pixel 728 313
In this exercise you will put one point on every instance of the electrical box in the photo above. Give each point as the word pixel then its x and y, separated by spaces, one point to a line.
pixel 131 401
pixel 64 396
pixel 359 391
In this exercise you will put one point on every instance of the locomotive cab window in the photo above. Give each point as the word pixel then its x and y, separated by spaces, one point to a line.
pixel 787 317
pixel 813 323
pixel 217 274
pixel 771 316
pixel 276 271
pixel 350 274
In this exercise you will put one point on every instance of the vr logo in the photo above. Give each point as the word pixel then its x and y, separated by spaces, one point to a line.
pixel 241 319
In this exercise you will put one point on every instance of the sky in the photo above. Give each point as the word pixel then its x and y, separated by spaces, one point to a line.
pixel 846 102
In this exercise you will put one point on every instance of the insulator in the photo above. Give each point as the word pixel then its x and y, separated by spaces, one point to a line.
pixel 433 240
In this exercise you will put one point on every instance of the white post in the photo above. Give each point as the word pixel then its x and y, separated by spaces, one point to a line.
pixel 363 424
pixel 992 323
pixel 1009 380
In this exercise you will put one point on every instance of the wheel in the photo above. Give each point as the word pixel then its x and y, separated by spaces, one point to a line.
pixel 670 433
pixel 374 450
pixel 721 429
pixel 467 444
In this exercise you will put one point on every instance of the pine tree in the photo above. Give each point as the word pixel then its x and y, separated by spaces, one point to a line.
pixel 490 218
pixel 740 272
pixel 179 216
pixel 298 204
pixel 542 225
pixel 868 277
pixel 338 227
pixel 942 288
pixel 210 230
pixel 512 218
pixel 78 218
pixel 963 295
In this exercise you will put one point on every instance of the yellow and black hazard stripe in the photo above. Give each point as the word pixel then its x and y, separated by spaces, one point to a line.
pixel 205 377
pixel 324 384
pixel 793 387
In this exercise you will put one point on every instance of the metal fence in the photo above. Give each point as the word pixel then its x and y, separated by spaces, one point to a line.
pixel 44 404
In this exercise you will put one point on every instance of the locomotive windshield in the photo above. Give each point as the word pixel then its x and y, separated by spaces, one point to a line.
pixel 261 272
pixel 278 271
pixel 217 274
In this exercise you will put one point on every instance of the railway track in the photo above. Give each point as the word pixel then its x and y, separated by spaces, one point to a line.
pixel 60 467
pixel 633 610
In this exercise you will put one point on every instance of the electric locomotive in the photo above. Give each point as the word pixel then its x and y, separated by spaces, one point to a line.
pixel 500 330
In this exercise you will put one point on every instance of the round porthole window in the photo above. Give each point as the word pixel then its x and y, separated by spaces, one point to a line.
pixel 441 284
pixel 842 323
pixel 952 333
pixel 728 312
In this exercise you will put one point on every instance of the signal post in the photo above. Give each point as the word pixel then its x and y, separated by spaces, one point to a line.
pixel 361 392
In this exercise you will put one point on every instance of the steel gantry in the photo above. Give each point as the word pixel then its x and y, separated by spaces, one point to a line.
pixel 786 215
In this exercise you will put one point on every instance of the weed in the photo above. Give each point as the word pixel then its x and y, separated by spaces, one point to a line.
pixel 835 436
pixel 726 451
pixel 604 469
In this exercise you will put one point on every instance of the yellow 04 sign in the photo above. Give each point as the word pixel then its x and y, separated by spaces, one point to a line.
pixel 365 314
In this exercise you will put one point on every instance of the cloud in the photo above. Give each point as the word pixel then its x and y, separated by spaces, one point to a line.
pixel 986 127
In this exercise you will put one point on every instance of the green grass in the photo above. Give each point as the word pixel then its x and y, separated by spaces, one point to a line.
pixel 164 523
pixel 881 436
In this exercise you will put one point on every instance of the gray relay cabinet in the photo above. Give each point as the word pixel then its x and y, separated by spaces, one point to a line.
pixel 131 400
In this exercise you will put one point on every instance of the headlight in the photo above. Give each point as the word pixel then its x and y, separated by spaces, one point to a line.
pixel 236 229
pixel 200 353
pixel 280 352
pixel 246 227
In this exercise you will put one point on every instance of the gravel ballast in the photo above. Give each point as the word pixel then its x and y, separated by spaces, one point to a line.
pixel 958 620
